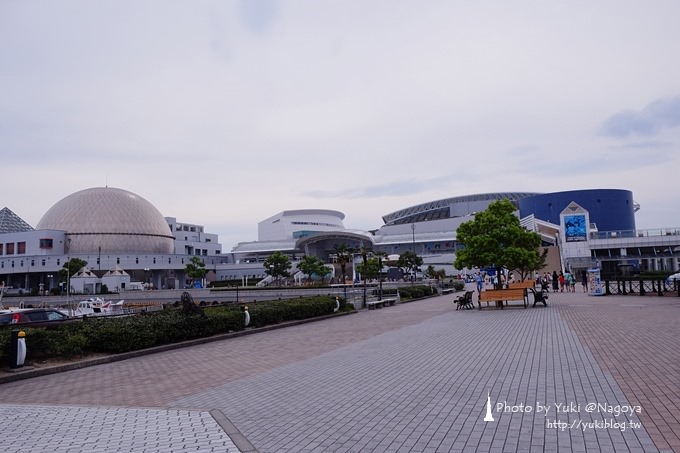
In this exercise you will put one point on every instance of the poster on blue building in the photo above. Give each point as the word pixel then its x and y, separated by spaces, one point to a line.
pixel 575 227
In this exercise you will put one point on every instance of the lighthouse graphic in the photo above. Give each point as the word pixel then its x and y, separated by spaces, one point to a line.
pixel 489 415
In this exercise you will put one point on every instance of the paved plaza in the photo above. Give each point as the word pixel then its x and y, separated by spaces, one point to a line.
pixel 582 374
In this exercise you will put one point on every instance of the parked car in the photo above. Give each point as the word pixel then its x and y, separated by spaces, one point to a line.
pixel 30 315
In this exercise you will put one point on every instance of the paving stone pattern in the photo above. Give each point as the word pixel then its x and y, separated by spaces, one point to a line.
pixel 90 429
pixel 413 378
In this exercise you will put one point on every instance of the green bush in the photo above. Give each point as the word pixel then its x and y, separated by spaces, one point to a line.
pixel 458 285
pixel 129 333
pixel 415 292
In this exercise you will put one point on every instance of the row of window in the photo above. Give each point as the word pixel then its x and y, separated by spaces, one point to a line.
pixel 19 248
pixel 12 248
pixel 22 263
pixel 192 228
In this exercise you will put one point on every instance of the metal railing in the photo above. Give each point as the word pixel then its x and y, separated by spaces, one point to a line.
pixel 641 286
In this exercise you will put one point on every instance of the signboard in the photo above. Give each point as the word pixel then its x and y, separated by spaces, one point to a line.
pixel 595 285
pixel 575 227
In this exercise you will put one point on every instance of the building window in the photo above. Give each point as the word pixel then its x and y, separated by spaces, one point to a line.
pixel 2 246
pixel 21 248
pixel 10 248
pixel 43 262
pixel 46 243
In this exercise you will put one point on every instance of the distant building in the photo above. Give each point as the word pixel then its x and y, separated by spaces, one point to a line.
pixel 127 242
pixel 110 229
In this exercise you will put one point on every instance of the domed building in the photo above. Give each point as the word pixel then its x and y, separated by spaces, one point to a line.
pixel 109 220
pixel 108 228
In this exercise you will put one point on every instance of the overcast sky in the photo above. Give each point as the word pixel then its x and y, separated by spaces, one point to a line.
pixel 224 113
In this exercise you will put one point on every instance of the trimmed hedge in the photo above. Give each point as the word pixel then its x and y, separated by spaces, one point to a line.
pixel 411 292
pixel 130 333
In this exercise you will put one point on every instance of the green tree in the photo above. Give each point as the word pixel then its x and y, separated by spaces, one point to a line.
pixel 431 272
pixel 70 268
pixel 323 271
pixel 409 262
pixel 495 238
pixel 343 255
pixel 369 269
pixel 195 269
pixel 277 265
pixel 311 265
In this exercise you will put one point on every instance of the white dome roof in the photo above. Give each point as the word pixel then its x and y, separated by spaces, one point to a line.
pixel 114 219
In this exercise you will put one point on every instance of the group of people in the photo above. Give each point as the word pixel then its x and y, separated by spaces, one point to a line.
pixel 486 280
pixel 562 282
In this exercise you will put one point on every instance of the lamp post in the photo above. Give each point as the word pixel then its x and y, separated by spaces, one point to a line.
pixel 380 276
pixel 68 286
pixel 363 276
pixel 413 246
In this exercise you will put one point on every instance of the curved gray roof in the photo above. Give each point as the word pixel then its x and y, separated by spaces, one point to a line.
pixel 450 207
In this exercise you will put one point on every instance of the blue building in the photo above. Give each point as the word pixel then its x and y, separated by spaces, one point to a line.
pixel 609 209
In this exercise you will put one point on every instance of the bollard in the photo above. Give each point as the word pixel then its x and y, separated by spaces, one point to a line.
pixel 17 353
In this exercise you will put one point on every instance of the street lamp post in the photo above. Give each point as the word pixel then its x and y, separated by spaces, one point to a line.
pixel 380 277
pixel 413 246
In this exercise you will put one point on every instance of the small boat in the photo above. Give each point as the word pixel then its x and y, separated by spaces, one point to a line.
pixel 95 306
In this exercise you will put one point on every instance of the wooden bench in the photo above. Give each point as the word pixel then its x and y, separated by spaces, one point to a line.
pixel 502 295
pixel 526 284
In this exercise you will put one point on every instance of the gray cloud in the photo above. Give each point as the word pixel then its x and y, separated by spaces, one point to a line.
pixel 366 106
pixel 660 114
pixel 258 14
pixel 388 189
pixel 647 144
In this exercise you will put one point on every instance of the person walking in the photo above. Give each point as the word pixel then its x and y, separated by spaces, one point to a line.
pixel 584 280
pixel 480 282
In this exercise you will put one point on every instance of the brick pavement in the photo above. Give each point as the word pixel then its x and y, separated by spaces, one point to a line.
pixel 92 429
pixel 413 377
pixel 637 340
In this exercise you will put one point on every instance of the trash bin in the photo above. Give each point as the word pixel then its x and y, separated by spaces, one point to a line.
pixel 17 353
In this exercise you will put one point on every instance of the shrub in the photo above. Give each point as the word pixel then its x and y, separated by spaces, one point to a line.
pixel 129 333
pixel 458 285
pixel 414 292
